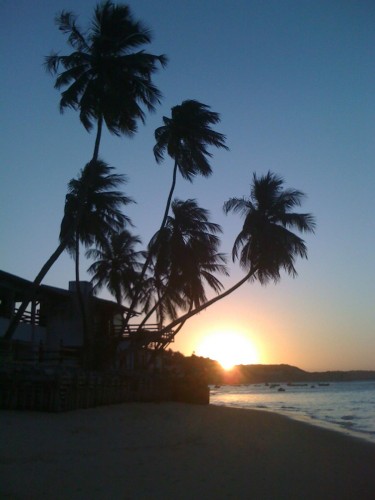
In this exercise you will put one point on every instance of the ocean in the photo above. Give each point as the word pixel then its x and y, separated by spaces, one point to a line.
pixel 347 407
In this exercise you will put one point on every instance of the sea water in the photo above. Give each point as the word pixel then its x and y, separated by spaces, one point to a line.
pixel 348 407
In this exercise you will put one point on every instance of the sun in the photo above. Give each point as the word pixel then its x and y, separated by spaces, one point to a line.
pixel 229 349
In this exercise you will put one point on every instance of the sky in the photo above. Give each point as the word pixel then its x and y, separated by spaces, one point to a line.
pixel 293 81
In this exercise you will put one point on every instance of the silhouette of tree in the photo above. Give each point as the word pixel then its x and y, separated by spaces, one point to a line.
pixel 108 78
pixel 266 244
pixel 94 204
pixel 92 211
pixel 117 264
pixel 104 79
pixel 186 137
pixel 185 256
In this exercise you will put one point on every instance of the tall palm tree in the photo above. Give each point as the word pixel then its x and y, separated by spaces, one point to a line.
pixel 95 204
pixel 106 78
pixel 117 264
pixel 185 255
pixel 92 210
pixel 266 243
pixel 186 137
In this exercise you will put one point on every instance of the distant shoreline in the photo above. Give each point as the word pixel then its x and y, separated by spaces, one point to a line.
pixel 257 374
pixel 176 450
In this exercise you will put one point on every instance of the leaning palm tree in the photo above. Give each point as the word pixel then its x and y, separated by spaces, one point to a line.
pixel 92 201
pixel 106 78
pixel 266 244
pixel 186 137
pixel 92 210
pixel 185 258
pixel 117 264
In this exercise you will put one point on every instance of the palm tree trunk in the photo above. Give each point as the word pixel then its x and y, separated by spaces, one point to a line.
pixel 81 305
pixel 153 309
pixel 98 137
pixel 171 191
pixel 42 273
pixel 150 312
pixel 208 303
pixel 148 259
pixel 162 345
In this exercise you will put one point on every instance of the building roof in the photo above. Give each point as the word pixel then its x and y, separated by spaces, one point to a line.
pixel 22 287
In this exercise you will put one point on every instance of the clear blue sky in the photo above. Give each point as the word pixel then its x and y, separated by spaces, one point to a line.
pixel 294 83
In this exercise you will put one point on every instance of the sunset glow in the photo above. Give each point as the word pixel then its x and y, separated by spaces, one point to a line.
pixel 229 349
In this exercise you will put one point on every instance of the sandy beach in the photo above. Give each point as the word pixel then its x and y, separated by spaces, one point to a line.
pixel 178 451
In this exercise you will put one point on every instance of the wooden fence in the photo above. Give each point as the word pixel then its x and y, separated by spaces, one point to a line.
pixel 64 391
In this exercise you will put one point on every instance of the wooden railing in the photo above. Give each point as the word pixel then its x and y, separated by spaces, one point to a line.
pixel 30 318
pixel 149 335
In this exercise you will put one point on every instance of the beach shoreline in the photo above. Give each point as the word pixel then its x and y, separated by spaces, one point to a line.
pixel 177 450
pixel 320 424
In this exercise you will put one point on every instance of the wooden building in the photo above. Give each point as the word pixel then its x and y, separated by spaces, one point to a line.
pixel 51 328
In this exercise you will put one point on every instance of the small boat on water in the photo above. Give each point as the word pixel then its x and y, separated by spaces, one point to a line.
pixel 323 384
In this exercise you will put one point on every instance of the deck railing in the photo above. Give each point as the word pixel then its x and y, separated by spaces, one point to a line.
pixel 149 335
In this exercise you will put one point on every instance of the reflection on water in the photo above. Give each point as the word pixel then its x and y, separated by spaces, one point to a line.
pixel 345 406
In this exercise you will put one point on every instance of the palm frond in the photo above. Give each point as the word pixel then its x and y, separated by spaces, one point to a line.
pixel 104 78
pixel 66 23
pixel 265 243
pixel 185 137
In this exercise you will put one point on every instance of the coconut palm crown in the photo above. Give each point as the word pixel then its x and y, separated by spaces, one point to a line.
pixel 93 205
pixel 106 77
pixel 266 243
pixel 186 253
pixel 117 264
pixel 185 137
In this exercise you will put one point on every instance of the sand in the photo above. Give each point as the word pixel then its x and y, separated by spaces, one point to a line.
pixel 178 451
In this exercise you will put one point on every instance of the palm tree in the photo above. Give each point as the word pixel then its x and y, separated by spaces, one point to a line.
pixel 186 137
pixel 185 256
pixel 117 264
pixel 104 79
pixel 96 206
pixel 266 244
pixel 92 210
pixel 93 204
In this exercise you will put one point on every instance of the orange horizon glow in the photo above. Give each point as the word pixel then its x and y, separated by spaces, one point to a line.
pixel 228 348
